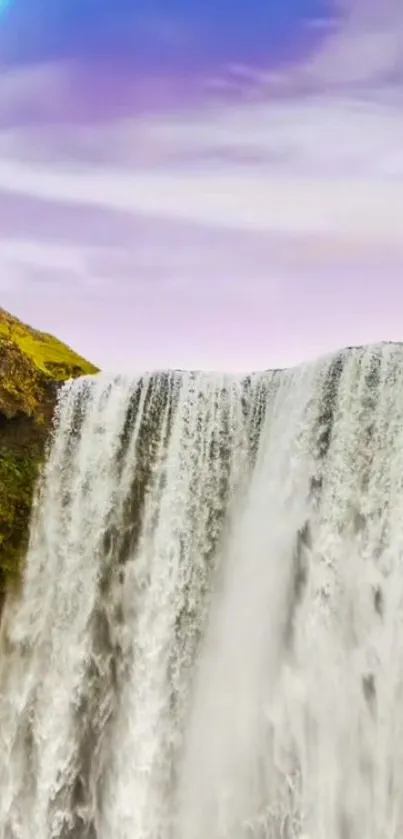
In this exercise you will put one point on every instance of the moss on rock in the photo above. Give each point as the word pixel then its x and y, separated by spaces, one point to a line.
pixel 33 365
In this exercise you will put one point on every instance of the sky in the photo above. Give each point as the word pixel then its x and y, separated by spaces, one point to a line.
pixel 212 184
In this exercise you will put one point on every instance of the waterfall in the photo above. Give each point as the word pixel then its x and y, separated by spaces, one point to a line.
pixel 208 642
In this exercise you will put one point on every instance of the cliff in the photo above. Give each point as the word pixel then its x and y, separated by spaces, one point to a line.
pixel 33 365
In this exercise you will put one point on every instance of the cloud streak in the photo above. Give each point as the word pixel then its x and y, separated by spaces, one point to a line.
pixel 257 225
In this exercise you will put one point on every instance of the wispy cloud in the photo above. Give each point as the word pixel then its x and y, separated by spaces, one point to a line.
pixel 235 232
pixel 368 48
pixel 243 197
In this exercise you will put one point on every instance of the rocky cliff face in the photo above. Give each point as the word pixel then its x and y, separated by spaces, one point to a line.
pixel 33 365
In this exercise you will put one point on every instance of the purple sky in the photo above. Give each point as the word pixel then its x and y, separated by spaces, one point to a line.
pixel 188 188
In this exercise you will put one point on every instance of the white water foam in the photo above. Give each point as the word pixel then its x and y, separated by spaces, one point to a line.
pixel 209 637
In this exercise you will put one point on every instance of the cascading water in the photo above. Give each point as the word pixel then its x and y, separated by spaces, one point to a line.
pixel 208 643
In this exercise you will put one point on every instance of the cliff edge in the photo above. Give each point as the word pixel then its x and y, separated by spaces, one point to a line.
pixel 33 365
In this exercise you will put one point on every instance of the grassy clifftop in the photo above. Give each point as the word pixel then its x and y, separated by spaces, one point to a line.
pixel 32 367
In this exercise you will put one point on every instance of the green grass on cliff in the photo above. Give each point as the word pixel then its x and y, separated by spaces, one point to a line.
pixel 49 355
pixel 32 364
